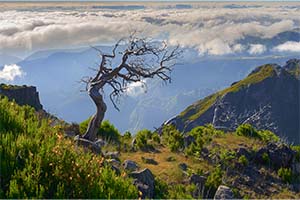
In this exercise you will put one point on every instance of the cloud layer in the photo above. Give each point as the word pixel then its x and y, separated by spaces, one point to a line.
pixel 212 29
pixel 10 72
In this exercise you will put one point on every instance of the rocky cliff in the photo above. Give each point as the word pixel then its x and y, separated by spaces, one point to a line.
pixel 268 98
pixel 23 95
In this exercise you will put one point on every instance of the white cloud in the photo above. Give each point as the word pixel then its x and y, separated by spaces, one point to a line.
pixel 212 29
pixel 256 49
pixel 288 46
pixel 10 72
pixel 136 88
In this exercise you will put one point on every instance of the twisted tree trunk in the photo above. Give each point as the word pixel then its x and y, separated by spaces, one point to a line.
pixel 95 122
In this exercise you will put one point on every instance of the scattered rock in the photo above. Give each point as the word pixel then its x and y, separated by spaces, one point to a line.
pixel 188 140
pixel 113 162
pixel 130 165
pixel 116 169
pixel 101 142
pixel 224 192
pixel 112 155
pixel 183 166
pixel 199 182
pixel 279 155
pixel 243 152
pixel 87 144
pixel 144 181
pixel 170 159
pixel 149 161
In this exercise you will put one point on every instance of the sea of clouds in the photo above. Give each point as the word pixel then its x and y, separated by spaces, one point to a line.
pixel 211 29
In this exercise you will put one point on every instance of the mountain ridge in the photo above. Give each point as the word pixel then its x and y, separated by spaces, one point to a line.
pixel 266 98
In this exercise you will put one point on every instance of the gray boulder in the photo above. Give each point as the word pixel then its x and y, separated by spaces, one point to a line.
pixel 224 192
pixel 101 142
pixel 279 155
pixel 130 165
pixel 199 182
pixel 149 161
pixel 112 155
pixel 87 144
pixel 183 166
pixel 144 181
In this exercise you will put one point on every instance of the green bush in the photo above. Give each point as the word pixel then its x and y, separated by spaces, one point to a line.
pixel 285 174
pixel 226 157
pixel 247 130
pixel 263 135
pixel 106 131
pixel 127 135
pixel 266 158
pixel 156 138
pixel 38 162
pixel 268 136
pixel 202 135
pixel 142 138
pixel 243 160
pixel 214 180
pixel 172 138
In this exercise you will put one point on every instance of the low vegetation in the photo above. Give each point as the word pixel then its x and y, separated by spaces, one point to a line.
pixel 38 162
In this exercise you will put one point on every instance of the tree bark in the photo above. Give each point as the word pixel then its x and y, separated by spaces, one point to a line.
pixel 95 122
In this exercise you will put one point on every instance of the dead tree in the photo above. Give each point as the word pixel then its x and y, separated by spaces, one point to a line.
pixel 140 58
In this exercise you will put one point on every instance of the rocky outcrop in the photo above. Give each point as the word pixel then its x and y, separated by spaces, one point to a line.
pixel 224 192
pixel 268 98
pixel 144 181
pixel 23 95
pixel 130 165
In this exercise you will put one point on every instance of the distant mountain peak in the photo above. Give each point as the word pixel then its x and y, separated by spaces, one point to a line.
pixel 268 98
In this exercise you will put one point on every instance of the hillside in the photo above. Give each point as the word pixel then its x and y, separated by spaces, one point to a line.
pixel 268 98
pixel 39 159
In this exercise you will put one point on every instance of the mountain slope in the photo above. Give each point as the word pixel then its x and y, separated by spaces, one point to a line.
pixel 268 98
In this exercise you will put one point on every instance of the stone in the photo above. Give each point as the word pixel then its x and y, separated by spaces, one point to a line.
pixel 87 144
pixel 279 155
pixel 199 182
pixel 149 161
pixel 101 142
pixel 113 162
pixel 112 155
pixel 243 152
pixel 144 180
pixel 183 166
pixel 130 165
pixel 224 192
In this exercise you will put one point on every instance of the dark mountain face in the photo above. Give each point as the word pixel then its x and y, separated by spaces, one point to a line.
pixel 22 95
pixel 268 99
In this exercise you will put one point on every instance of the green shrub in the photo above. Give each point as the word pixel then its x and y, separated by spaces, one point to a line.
pixel 247 130
pixel 38 162
pixel 180 191
pixel 106 131
pixel 156 138
pixel 127 135
pixel 202 135
pixel 243 160
pixel 172 138
pixel 214 180
pixel 266 158
pixel 285 174
pixel 142 138
pixel 263 135
pixel 268 136
pixel 226 157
